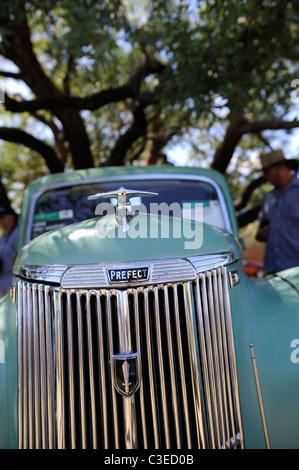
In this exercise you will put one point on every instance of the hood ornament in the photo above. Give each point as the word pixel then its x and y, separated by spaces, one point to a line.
pixel 124 212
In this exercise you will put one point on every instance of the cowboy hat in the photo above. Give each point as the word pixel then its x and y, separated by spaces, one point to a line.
pixel 274 158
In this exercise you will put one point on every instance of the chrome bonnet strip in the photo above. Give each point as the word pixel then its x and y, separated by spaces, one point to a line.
pixel 96 275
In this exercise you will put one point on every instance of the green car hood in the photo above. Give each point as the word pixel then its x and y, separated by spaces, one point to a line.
pixel 91 242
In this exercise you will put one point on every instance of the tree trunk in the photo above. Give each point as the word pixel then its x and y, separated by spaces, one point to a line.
pixel 77 138
pixel 225 150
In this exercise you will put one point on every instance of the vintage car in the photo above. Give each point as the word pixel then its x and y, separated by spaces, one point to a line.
pixel 131 323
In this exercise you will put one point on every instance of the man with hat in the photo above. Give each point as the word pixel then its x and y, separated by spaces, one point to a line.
pixel 8 247
pixel 279 216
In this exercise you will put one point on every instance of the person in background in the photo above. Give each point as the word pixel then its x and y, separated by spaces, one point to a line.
pixel 8 247
pixel 279 216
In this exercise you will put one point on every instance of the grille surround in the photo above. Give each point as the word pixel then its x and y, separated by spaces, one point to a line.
pixel 183 334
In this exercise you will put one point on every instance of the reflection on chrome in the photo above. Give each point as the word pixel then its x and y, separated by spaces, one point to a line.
pixel 180 331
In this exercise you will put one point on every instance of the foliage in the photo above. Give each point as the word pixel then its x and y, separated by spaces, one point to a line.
pixel 117 81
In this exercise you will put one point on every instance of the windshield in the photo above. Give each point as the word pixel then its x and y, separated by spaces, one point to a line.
pixel 68 204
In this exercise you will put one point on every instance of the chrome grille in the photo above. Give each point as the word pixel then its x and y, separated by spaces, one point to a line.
pixel 182 335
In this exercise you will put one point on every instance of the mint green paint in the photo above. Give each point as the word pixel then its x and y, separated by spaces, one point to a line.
pixel 120 171
pixel 266 314
pixel 8 374
pixel 79 243
pixel 291 276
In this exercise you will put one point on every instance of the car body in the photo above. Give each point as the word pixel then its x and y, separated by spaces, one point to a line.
pixel 133 325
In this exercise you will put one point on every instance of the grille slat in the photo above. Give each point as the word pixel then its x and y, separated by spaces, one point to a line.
pixel 91 362
pixel 43 384
pixel 60 370
pixel 172 369
pixel 49 372
pixel 78 349
pixel 71 381
pixel 149 342
pixel 181 368
pixel 110 348
pixel 30 378
pixel 102 382
pixel 161 361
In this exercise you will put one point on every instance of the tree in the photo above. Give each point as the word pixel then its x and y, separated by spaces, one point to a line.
pixel 19 21
pixel 241 62
pixel 116 81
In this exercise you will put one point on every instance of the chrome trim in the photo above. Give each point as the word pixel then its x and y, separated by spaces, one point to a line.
pixel 121 179
pixel 127 275
pixel 126 344
pixel 188 393
pixel 260 398
pixel 206 262
pixel 50 273
pixel 234 278
pixel 96 275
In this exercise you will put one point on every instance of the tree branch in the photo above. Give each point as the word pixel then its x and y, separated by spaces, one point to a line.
pixel 247 216
pixel 21 137
pixel 241 202
pixel 235 132
pixel 91 102
pixel 58 135
pixel 16 76
pixel 137 129
pixel 52 103
pixel 19 49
